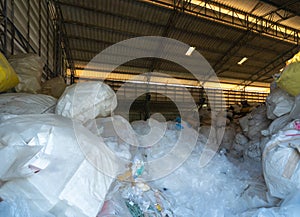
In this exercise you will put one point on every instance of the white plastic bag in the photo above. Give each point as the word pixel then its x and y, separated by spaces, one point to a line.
pixel 25 103
pixel 279 103
pixel 86 101
pixel 67 179
pixel 277 125
pixel 280 162
pixel 29 68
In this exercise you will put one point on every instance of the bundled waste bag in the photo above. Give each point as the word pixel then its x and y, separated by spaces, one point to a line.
pixel 279 103
pixel 8 77
pixel 54 163
pixel 54 87
pixel 290 78
pixel 86 101
pixel 26 103
pixel 29 68
pixel 280 161
pixel 254 122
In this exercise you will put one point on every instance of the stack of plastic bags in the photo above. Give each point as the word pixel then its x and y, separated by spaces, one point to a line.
pixel 251 125
pixel 53 165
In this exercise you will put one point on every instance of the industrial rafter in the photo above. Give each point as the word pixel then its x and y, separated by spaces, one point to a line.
pixel 271 66
pixel 244 39
pixel 237 18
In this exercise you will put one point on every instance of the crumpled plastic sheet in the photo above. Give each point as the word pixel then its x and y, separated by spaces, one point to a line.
pixel 26 103
pixel 222 188
pixel 289 207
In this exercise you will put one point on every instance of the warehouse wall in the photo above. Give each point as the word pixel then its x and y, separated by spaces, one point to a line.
pixel 29 26
pixel 162 99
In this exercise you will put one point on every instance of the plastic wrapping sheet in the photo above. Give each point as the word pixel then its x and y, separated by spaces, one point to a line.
pixel 117 133
pixel 219 189
pixel 65 178
pixel 20 207
pixel 288 208
pixel 86 101
pixel 26 103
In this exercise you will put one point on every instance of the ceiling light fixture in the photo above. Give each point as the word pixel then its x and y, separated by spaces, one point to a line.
pixel 242 60
pixel 190 51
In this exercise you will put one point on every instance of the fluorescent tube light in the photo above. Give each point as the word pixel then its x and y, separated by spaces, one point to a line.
pixel 190 51
pixel 242 60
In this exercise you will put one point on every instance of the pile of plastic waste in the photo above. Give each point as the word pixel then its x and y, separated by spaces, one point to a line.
pixel 73 156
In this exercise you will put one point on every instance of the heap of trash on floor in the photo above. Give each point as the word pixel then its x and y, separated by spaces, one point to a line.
pixel 64 153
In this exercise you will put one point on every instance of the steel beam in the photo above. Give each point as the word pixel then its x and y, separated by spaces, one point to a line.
pixel 284 6
pixel 239 19
pixel 271 66
pixel 63 41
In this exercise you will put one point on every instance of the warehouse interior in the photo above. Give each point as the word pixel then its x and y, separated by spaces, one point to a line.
pixel 149 108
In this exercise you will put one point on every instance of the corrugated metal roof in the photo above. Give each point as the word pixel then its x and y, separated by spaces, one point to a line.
pixel 94 25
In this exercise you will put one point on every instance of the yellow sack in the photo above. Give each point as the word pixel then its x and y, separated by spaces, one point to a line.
pixel 290 79
pixel 8 77
pixel 295 58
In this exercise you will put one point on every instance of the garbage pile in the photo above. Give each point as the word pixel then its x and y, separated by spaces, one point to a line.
pixel 73 156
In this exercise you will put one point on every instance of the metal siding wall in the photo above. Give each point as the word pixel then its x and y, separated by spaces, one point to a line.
pixel 32 20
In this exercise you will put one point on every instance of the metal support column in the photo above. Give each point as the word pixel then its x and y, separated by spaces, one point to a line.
pixel 3 28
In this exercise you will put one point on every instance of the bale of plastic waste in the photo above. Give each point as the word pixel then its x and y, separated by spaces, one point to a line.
pixel 29 68
pixel 276 125
pixel 54 87
pixel 26 103
pixel 86 101
pixel 228 137
pixel 8 77
pixel 254 122
pixel 239 145
pixel 54 163
pixel 279 103
pixel 253 150
pixel 280 161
